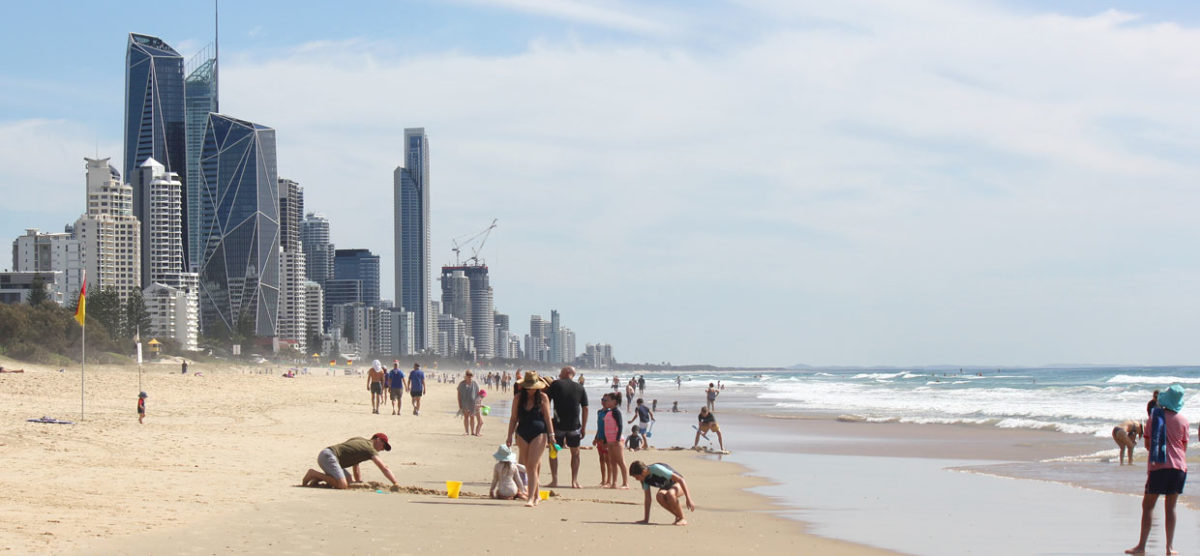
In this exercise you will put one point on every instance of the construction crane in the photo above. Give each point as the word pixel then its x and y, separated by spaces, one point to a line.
pixel 459 243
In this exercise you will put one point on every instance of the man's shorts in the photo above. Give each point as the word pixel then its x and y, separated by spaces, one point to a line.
pixel 417 393
pixel 706 427
pixel 1165 481
pixel 395 393
pixel 376 387
pixel 329 464
pixel 569 439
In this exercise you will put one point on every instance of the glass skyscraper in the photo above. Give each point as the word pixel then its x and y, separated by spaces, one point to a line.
pixel 411 231
pixel 239 228
pixel 200 98
pixel 154 120
pixel 361 265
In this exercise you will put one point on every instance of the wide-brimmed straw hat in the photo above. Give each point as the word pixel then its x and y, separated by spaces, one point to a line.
pixel 1172 398
pixel 532 382
pixel 504 453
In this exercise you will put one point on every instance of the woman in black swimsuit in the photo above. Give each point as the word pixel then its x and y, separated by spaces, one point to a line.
pixel 531 422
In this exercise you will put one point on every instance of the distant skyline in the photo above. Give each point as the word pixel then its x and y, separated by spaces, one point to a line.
pixel 751 183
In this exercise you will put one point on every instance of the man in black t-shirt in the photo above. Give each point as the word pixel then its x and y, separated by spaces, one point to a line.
pixel 570 420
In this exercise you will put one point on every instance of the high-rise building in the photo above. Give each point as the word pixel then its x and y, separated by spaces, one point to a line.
pixel 402 332
pixel 361 265
pixel 170 292
pixel 154 117
pixel 314 312
pixel 536 348
pixel 291 212
pixel 50 252
pixel 240 265
pixel 199 100
pixel 293 299
pixel 318 252
pixel 340 292
pixel 109 234
pixel 411 234
pixel 555 334
pixel 467 295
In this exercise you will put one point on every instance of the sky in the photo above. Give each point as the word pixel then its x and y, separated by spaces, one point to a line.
pixel 741 182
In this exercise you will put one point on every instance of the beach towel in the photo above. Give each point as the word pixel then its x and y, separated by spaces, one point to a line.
pixel 50 420
pixel 1158 436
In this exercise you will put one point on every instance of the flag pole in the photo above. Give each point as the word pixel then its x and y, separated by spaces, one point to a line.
pixel 82 368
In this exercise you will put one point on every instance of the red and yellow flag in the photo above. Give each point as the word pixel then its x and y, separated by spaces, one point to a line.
pixel 81 307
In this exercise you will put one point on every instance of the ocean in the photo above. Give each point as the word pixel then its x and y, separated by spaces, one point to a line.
pixel 1080 502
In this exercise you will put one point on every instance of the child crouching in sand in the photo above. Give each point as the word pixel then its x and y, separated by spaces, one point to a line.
pixel 508 476
pixel 670 484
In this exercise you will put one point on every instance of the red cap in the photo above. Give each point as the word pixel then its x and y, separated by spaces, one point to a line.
pixel 384 439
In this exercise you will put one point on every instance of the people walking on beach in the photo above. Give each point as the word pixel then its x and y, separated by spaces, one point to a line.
pixel 1166 468
pixel 375 378
pixel 508 476
pixel 394 382
pixel 141 408
pixel 630 389
pixel 678 382
pixel 416 387
pixel 641 385
pixel 644 415
pixel 533 426
pixel 570 420
pixel 711 396
pixel 1126 435
pixel 670 485
pixel 708 422
pixel 468 402
pixel 336 459
pixel 616 383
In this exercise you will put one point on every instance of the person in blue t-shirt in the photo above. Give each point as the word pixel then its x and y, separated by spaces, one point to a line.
pixel 670 484
pixel 416 386
pixel 394 382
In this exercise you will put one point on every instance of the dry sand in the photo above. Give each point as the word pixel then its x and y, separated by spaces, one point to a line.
pixel 214 471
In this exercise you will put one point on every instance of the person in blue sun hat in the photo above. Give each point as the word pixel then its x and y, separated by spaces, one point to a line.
pixel 1166 469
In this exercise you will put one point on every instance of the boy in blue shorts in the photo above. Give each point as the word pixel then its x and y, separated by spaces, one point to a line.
pixel 670 484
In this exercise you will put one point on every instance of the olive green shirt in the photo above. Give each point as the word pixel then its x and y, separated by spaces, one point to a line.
pixel 353 452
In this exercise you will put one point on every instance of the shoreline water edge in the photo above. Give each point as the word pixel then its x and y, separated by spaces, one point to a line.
pixel 918 461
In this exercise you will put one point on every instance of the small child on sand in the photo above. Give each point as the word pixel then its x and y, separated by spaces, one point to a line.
pixel 508 476
pixel 141 407
pixel 634 440
pixel 670 484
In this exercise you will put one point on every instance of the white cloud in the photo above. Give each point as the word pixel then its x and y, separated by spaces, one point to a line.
pixel 601 14
pixel 847 182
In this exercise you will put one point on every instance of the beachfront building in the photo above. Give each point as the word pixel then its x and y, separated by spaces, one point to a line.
pixel 16 287
pixel 154 114
pixel 401 329
pixel 410 185
pixel 360 265
pixel 318 252
pixel 170 292
pixel 293 299
pixel 536 347
pixel 291 213
pixel 174 313
pixel 314 311
pixel 199 99
pixel 453 340
pixel 597 356
pixel 467 295
pixel 239 279
pixel 50 252
pixel 110 242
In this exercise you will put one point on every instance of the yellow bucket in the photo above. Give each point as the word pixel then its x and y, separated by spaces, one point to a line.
pixel 452 488
pixel 544 494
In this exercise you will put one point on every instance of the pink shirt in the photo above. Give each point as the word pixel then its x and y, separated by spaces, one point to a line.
pixel 1177 439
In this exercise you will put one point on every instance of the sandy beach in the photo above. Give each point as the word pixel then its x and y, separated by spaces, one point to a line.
pixel 215 469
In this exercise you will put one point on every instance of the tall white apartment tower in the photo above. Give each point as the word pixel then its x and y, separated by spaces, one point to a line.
pixel 109 234
pixel 172 295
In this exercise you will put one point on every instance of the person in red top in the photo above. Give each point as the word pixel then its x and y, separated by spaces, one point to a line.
pixel 1166 469
pixel 141 407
